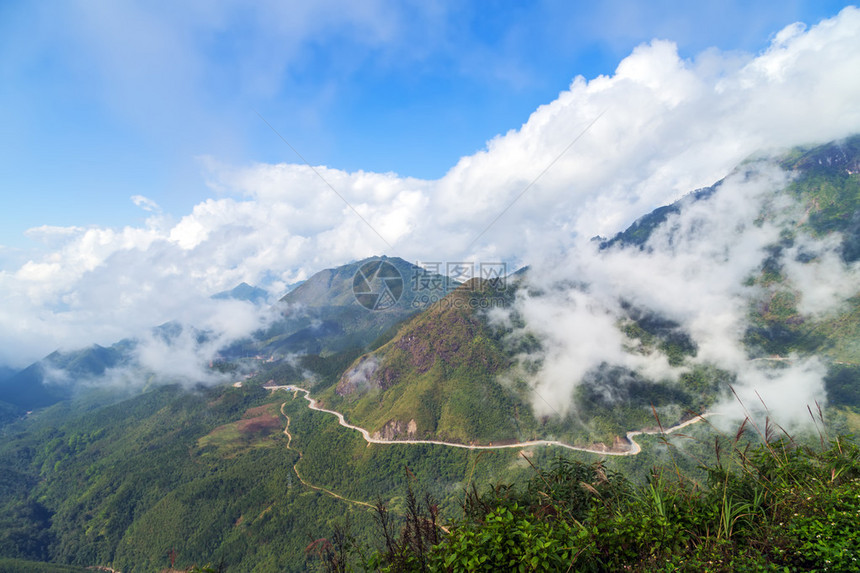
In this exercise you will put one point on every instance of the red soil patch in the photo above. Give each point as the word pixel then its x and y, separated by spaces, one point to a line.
pixel 258 425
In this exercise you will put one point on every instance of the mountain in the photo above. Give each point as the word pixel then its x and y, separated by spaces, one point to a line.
pixel 637 234
pixel 828 185
pixel 53 378
pixel 321 319
pixel 824 181
pixel 825 184
pixel 400 349
pixel 64 374
pixel 244 291
pixel 339 309
pixel 449 375
pixel 6 372
pixel 9 412
pixel 425 383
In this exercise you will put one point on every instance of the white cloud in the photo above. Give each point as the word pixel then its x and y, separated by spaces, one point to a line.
pixel 783 395
pixel 693 272
pixel 669 125
pixel 51 234
pixel 145 203
pixel 824 283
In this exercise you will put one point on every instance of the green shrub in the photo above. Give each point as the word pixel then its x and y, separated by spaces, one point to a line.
pixel 777 506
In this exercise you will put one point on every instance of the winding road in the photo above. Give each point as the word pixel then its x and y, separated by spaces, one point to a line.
pixel 634 449
pixel 301 479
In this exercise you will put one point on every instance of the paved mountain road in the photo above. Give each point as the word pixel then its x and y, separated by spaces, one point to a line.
pixel 634 446
pixel 312 404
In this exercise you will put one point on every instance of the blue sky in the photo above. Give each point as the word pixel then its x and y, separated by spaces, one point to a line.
pixel 101 101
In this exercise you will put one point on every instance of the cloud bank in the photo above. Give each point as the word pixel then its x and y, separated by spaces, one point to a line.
pixel 666 125
pixel 694 271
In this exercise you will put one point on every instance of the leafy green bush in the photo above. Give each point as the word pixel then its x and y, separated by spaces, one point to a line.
pixel 777 506
pixel 507 540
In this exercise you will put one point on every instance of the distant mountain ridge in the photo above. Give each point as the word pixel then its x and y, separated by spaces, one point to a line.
pixel 6 372
pixel 323 315
pixel 53 378
pixel 826 171
pixel 320 316
pixel 244 291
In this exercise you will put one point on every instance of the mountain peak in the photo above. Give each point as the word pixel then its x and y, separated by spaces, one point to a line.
pixel 244 291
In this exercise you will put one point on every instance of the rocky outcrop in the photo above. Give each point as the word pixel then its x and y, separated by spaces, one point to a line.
pixel 620 444
pixel 397 429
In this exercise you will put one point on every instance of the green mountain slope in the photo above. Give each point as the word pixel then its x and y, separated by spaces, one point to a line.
pixel 209 474
pixel 426 381
pixel 827 185
pixel 450 375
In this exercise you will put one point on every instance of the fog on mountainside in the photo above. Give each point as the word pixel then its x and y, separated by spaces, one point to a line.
pixel 709 265
pixel 714 303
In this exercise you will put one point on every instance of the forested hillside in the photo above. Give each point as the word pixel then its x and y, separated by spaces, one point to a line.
pixel 207 474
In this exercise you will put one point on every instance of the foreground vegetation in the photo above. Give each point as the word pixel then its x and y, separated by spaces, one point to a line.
pixel 777 506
